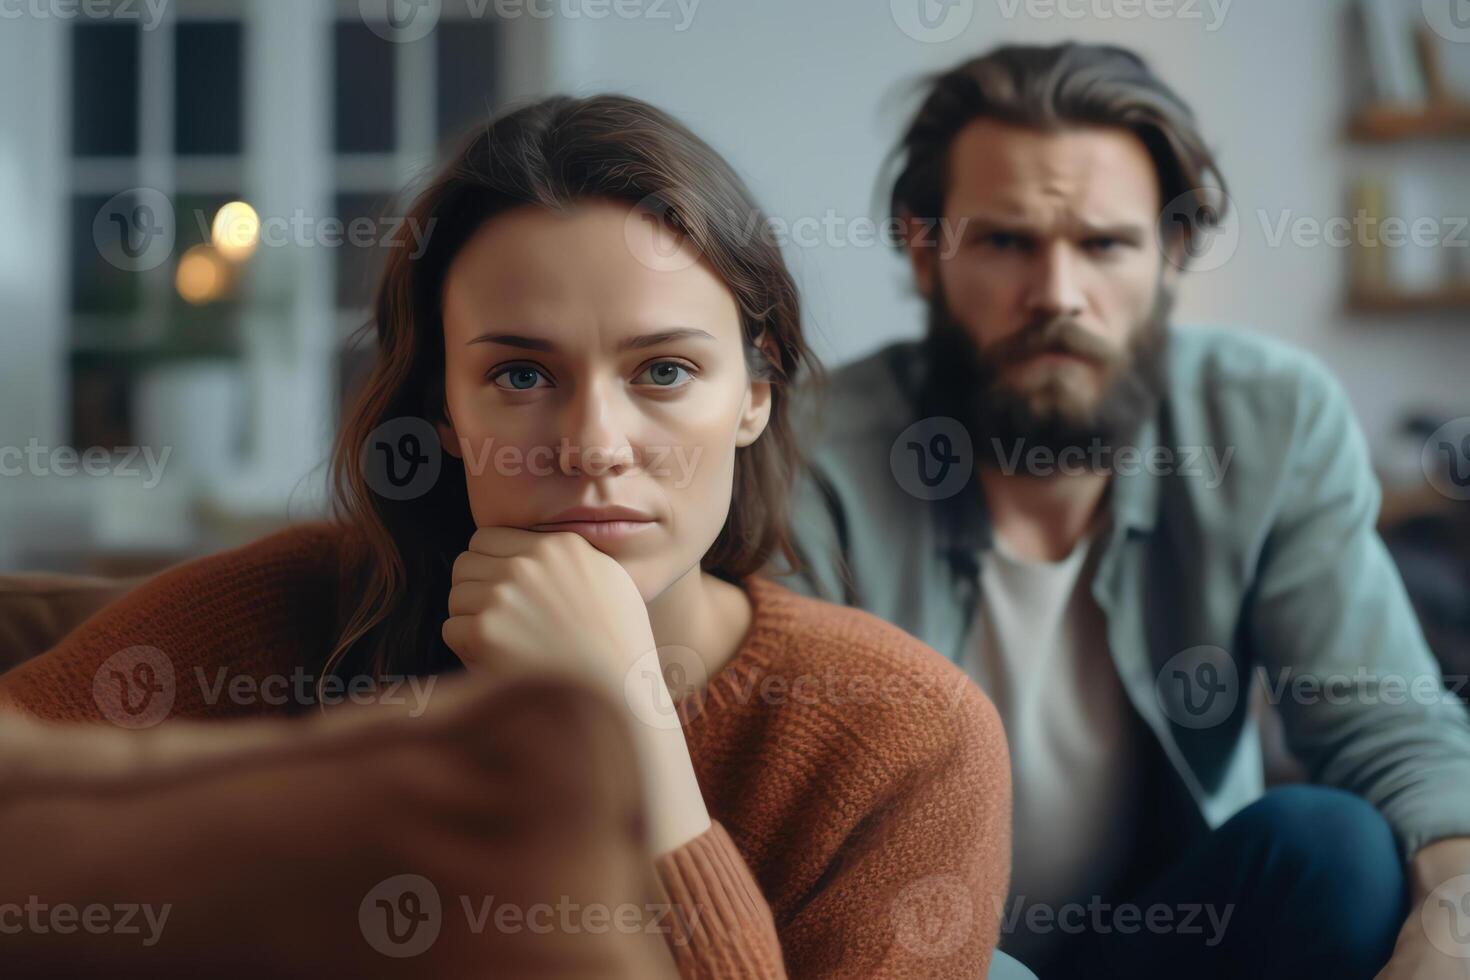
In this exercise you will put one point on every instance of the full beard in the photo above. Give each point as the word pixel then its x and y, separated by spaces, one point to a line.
pixel 968 382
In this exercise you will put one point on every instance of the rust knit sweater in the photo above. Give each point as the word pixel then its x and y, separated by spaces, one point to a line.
pixel 858 783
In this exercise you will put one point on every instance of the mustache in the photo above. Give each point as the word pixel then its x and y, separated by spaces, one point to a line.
pixel 1053 335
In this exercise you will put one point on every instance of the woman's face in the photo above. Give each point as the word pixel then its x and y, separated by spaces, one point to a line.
pixel 595 382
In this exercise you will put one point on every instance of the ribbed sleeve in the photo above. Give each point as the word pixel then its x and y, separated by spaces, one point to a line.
pixel 720 925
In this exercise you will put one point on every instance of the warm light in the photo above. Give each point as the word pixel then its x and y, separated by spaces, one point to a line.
pixel 202 275
pixel 236 231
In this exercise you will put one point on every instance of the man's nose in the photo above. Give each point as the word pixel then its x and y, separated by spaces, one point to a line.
pixel 1055 286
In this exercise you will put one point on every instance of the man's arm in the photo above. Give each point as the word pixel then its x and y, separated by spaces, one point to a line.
pixel 1328 603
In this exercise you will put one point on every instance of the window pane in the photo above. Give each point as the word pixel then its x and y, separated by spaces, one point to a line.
pixel 104 93
pixel 208 87
pixel 363 90
pixel 98 285
pixel 465 87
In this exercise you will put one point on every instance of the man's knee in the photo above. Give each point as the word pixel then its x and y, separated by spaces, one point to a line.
pixel 1338 849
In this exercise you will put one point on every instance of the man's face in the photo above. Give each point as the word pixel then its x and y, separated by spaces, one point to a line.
pixel 1059 284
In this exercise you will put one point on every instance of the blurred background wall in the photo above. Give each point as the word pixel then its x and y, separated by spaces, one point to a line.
pixel 231 350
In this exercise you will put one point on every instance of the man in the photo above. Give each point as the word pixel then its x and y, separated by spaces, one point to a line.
pixel 1113 525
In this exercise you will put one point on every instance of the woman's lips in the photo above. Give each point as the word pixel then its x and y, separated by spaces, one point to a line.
pixel 598 532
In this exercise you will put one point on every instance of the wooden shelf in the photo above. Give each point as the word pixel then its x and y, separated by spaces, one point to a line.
pixel 1395 124
pixel 1447 299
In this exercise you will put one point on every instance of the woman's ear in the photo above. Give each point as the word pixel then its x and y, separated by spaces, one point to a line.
pixel 755 410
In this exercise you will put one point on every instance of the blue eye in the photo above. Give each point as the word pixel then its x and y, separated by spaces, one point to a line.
pixel 663 374
pixel 521 377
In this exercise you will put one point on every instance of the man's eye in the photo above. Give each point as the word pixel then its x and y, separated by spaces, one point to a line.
pixel 664 374
pixel 518 377
pixel 1003 241
pixel 1101 244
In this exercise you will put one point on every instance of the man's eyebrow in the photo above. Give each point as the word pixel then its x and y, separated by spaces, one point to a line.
pixel 630 343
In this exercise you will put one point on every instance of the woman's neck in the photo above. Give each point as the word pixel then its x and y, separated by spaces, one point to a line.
pixel 702 613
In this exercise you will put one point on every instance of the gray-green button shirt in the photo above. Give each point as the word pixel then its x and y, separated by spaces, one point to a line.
pixel 1242 538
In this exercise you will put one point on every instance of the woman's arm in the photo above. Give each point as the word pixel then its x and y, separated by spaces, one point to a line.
pixel 222 636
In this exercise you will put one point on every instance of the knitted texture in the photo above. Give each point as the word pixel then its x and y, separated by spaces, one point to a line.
pixel 858 783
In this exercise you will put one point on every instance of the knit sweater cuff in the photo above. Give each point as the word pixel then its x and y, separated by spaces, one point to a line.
pixel 720 926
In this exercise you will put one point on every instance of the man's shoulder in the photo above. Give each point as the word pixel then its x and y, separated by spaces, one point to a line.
pixel 867 398
pixel 1230 361
pixel 1229 383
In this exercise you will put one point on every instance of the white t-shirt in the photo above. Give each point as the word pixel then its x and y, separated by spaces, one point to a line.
pixel 1039 650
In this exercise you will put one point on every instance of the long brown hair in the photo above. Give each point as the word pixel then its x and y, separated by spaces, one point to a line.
pixel 551 153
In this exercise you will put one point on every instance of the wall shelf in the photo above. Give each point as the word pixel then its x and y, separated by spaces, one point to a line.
pixel 1395 124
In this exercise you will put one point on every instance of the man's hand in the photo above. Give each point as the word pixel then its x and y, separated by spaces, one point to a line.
pixel 1435 941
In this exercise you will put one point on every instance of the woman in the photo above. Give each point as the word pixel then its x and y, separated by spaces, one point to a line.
pixel 601 341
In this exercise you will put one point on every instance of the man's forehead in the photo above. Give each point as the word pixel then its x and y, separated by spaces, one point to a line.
pixel 1009 168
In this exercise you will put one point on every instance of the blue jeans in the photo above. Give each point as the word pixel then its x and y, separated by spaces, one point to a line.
pixel 1311 881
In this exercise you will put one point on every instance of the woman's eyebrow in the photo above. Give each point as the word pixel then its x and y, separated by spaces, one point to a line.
pixel 637 342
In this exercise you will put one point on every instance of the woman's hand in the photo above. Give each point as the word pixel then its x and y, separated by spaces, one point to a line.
pixel 547 598
pixel 532 598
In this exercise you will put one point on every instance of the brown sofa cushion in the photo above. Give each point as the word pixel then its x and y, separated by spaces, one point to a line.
pixel 36 611
pixel 278 847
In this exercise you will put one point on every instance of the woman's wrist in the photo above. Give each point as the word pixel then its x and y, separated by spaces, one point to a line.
pixel 675 805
